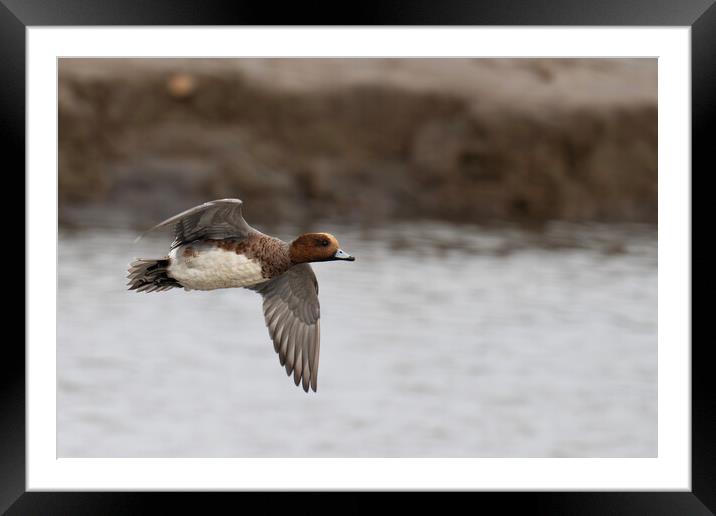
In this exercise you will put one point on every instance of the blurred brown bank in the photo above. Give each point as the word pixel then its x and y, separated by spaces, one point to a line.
pixel 471 140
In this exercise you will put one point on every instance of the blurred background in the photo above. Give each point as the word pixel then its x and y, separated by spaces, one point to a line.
pixel 503 213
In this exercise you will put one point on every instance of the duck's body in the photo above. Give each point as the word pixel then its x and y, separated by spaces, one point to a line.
pixel 215 248
pixel 229 263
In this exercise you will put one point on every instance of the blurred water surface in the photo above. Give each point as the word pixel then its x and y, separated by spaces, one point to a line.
pixel 438 341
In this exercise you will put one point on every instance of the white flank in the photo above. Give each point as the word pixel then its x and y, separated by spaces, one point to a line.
pixel 213 268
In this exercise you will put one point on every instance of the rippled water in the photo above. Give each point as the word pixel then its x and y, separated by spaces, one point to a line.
pixel 437 341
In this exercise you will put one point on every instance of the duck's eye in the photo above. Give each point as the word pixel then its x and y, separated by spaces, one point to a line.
pixel 324 243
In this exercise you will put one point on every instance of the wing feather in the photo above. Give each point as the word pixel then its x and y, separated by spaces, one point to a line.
pixel 292 314
pixel 217 219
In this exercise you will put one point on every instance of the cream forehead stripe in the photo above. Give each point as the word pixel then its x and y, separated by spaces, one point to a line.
pixel 214 268
pixel 326 236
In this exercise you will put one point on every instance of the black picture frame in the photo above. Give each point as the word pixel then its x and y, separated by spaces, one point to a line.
pixel 17 15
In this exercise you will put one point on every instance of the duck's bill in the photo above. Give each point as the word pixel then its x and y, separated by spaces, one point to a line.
pixel 342 255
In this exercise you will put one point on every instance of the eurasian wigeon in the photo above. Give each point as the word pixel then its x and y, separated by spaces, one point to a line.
pixel 214 248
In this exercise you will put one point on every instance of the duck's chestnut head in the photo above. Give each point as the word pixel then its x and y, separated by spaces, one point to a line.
pixel 317 247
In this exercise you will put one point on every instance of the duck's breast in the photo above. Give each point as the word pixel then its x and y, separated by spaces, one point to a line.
pixel 212 265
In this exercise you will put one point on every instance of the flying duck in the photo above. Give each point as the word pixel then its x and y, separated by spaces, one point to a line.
pixel 214 248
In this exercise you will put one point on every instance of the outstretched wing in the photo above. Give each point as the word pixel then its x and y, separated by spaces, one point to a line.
pixel 214 219
pixel 292 316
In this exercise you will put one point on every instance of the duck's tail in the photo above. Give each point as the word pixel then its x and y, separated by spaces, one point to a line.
pixel 150 275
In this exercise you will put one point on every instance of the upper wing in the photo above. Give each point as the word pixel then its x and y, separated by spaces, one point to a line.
pixel 214 219
pixel 292 316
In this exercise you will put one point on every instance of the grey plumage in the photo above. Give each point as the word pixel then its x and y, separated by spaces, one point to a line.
pixel 149 275
pixel 214 220
pixel 292 314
